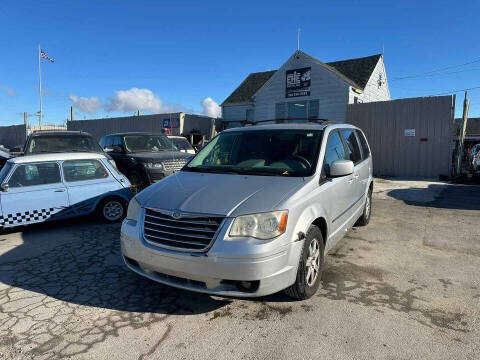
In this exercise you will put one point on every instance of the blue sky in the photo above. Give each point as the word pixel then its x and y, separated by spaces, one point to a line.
pixel 181 52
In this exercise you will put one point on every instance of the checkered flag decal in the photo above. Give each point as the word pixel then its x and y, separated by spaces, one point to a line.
pixel 26 217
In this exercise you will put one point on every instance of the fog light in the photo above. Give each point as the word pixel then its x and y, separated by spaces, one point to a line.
pixel 247 285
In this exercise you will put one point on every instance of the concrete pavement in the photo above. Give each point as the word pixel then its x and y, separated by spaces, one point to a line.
pixel 405 287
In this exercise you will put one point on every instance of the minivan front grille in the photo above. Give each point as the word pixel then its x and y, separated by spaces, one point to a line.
pixel 185 232
pixel 173 165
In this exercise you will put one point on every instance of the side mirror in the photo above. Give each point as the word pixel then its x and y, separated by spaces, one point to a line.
pixel 341 168
pixel 5 187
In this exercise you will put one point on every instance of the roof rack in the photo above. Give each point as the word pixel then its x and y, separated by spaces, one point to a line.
pixel 283 121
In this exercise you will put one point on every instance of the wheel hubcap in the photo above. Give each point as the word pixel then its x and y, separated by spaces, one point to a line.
pixel 113 210
pixel 313 262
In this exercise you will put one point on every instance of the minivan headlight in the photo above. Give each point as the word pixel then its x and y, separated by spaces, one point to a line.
pixel 133 210
pixel 261 226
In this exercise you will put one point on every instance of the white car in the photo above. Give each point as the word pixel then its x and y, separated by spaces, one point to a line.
pixel 182 144
pixel 38 188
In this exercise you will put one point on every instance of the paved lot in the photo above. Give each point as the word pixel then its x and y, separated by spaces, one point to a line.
pixel 405 287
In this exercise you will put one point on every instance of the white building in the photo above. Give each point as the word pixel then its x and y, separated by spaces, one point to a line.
pixel 305 87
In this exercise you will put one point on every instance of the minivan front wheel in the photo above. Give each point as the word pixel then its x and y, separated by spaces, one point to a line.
pixel 309 267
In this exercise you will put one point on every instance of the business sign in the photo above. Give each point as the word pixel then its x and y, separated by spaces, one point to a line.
pixel 171 123
pixel 409 132
pixel 297 82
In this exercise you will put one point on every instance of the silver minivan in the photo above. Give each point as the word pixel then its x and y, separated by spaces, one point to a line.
pixel 254 212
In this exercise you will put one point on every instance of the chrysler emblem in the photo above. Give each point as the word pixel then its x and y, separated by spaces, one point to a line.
pixel 176 215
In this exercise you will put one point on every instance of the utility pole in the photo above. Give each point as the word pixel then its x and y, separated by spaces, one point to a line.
pixel 25 119
pixel 466 107
pixel 40 114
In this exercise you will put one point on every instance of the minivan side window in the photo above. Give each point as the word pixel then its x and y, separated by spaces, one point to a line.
pixel 334 151
pixel 363 144
pixel 35 174
pixel 353 149
pixel 81 170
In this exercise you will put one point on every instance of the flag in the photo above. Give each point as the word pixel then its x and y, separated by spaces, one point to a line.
pixel 45 56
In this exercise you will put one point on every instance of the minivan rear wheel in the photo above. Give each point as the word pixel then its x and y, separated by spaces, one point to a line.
pixel 367 211
pixel 111 210
pixel 309 267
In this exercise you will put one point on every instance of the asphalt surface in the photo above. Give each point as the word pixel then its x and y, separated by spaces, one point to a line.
pixel 405 287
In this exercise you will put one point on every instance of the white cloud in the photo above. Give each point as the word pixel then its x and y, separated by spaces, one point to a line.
pixel 134 99
pixel 129 101
pixel 10 92
pixel 211 108
pixel 87 105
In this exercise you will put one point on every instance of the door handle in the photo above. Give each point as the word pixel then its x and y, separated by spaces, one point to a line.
pixel 59 190
pixel 355 176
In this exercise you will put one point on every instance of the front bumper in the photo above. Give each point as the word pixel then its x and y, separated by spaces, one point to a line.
pixel 220 271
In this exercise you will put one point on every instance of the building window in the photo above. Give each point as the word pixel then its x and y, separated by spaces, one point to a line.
pixel 280 111
pixel 249 115
pixel 297 110
pixel 313 109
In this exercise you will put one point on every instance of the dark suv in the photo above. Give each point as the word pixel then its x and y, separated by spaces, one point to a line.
pixel 144 158
pixel 44 142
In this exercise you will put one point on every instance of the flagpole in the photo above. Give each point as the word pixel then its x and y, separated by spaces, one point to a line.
pixel 40 86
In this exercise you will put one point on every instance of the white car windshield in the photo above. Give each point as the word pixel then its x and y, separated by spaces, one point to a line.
pixel 260 152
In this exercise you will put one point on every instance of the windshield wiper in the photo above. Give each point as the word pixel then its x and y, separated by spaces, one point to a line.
pixel 213 171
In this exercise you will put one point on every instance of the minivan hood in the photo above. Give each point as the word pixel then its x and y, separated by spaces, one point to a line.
pixel 219 194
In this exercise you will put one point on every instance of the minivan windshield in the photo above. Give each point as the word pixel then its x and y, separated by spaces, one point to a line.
pixel 148 143
pixel 61 144
pixel 260 152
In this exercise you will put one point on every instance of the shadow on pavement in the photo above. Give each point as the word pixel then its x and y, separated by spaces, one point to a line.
pixel 448 196
pixel 79 262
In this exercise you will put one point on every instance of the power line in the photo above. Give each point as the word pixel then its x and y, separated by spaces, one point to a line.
pixel 435 71
pixel 456 91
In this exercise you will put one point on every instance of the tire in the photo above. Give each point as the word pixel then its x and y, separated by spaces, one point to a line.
pixel 367 211
pixel 112 210
pixel 304 287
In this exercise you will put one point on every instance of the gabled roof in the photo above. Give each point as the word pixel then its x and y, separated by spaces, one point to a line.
pixel 357 71
pixel 249 87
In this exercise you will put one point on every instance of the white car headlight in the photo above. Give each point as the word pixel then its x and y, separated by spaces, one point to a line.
pixel 262 226
pixel 133 210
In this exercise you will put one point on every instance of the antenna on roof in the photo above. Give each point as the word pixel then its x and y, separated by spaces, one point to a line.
pixel 298 38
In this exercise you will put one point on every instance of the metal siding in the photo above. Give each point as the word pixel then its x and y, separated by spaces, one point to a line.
pixel 147 123
pixel 14 135
pixel 395 154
